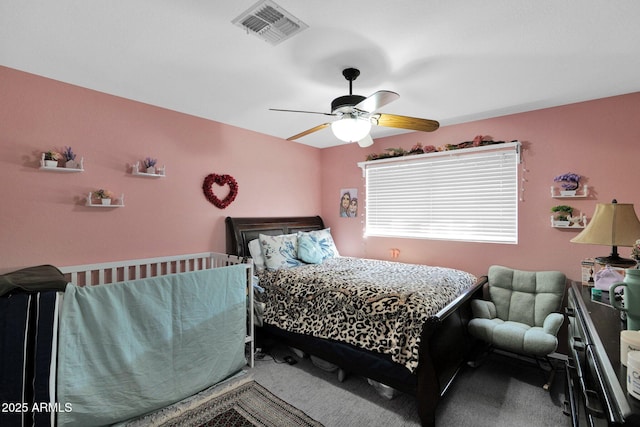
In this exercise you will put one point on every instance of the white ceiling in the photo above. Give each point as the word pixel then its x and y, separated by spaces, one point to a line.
pixel 450 60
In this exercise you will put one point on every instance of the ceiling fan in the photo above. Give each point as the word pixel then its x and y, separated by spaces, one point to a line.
pixel 357 113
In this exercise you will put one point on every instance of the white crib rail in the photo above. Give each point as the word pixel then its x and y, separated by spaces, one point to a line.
pixel 119 271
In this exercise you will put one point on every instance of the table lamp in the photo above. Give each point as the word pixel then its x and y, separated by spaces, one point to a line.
pixel 613 224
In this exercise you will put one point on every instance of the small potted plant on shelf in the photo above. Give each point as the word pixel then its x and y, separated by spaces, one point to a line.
pixel 561 215
pixel 150 165
pixel 51 159
pixel 569 183
pixel 105 196
pixel 70 158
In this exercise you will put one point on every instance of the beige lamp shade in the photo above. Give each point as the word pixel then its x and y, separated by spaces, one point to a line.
pixel 613 224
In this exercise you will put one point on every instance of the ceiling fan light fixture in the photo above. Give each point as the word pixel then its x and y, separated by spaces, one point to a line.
pixel 351 129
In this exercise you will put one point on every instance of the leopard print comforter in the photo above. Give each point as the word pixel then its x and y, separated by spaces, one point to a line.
pixel 373 304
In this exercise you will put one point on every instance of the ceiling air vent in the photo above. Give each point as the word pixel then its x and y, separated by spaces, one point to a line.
pixel 270 22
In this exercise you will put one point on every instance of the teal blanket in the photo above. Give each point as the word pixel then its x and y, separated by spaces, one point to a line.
pixel 129 348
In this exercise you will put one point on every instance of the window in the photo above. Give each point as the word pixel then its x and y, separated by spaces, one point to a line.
pixel 466 195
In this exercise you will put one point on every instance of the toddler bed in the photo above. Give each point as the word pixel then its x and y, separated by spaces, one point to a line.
pixel 398 324
pixel 123 338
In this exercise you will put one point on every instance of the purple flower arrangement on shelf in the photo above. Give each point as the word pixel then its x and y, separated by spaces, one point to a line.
pixel 570 181
pixel 68 154
pixel 149 165
pixel 70 159
pixel 149 162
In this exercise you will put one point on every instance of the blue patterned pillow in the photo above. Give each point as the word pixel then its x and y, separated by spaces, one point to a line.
pixel 280 251
pixel 309 250
pixel 324 240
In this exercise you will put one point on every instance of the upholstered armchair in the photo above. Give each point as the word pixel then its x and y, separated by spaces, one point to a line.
pixel 522 314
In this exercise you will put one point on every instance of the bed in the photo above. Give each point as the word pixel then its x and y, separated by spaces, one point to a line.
pixel 115 340
pixel 424 366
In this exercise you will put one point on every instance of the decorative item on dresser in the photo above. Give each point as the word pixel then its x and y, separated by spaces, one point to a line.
pixel 631 285
pixel 596 393
pixel 431 364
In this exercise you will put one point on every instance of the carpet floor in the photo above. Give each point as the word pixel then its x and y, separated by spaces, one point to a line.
pixel 502 391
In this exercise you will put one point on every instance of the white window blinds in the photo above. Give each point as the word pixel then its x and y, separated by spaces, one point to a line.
pixel 466 195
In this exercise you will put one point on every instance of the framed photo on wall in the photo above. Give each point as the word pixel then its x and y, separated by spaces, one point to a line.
pixel 349 203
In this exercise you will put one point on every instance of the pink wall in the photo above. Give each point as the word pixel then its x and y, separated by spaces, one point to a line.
pixel 43 218
pixel 597 139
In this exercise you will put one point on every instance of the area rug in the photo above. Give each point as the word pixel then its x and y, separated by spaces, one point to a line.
pixel 243 403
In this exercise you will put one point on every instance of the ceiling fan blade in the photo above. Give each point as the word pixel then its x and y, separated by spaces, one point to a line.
pixel 377 100
pixel 404 122
pixel 308 131
pixel 301 111
pixel 367 141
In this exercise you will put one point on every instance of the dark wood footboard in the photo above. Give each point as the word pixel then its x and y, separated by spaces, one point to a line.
pixel 444 347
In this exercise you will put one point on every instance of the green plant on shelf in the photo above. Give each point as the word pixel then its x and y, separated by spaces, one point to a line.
pixel 562 212
pixel 52 155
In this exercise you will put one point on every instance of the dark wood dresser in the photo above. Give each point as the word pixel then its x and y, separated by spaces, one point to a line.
pixel 596 392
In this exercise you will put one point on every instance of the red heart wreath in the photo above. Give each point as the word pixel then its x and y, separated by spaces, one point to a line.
pixel 220 180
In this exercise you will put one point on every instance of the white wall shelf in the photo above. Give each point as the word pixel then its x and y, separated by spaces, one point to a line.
pixel 115 203
pixel 59 169
pixel 558 193
pixel 576 223
pixel 159 172
pixel 78 167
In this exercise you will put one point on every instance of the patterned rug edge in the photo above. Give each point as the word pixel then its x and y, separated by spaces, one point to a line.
pixel 241 394
pixel 265 409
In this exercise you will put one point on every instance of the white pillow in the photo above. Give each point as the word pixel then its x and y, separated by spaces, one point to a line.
pixel 256 254
pixel 280 251
pixel 323 239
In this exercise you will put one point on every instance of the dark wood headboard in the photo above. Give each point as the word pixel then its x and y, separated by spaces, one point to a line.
pixel 240 231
